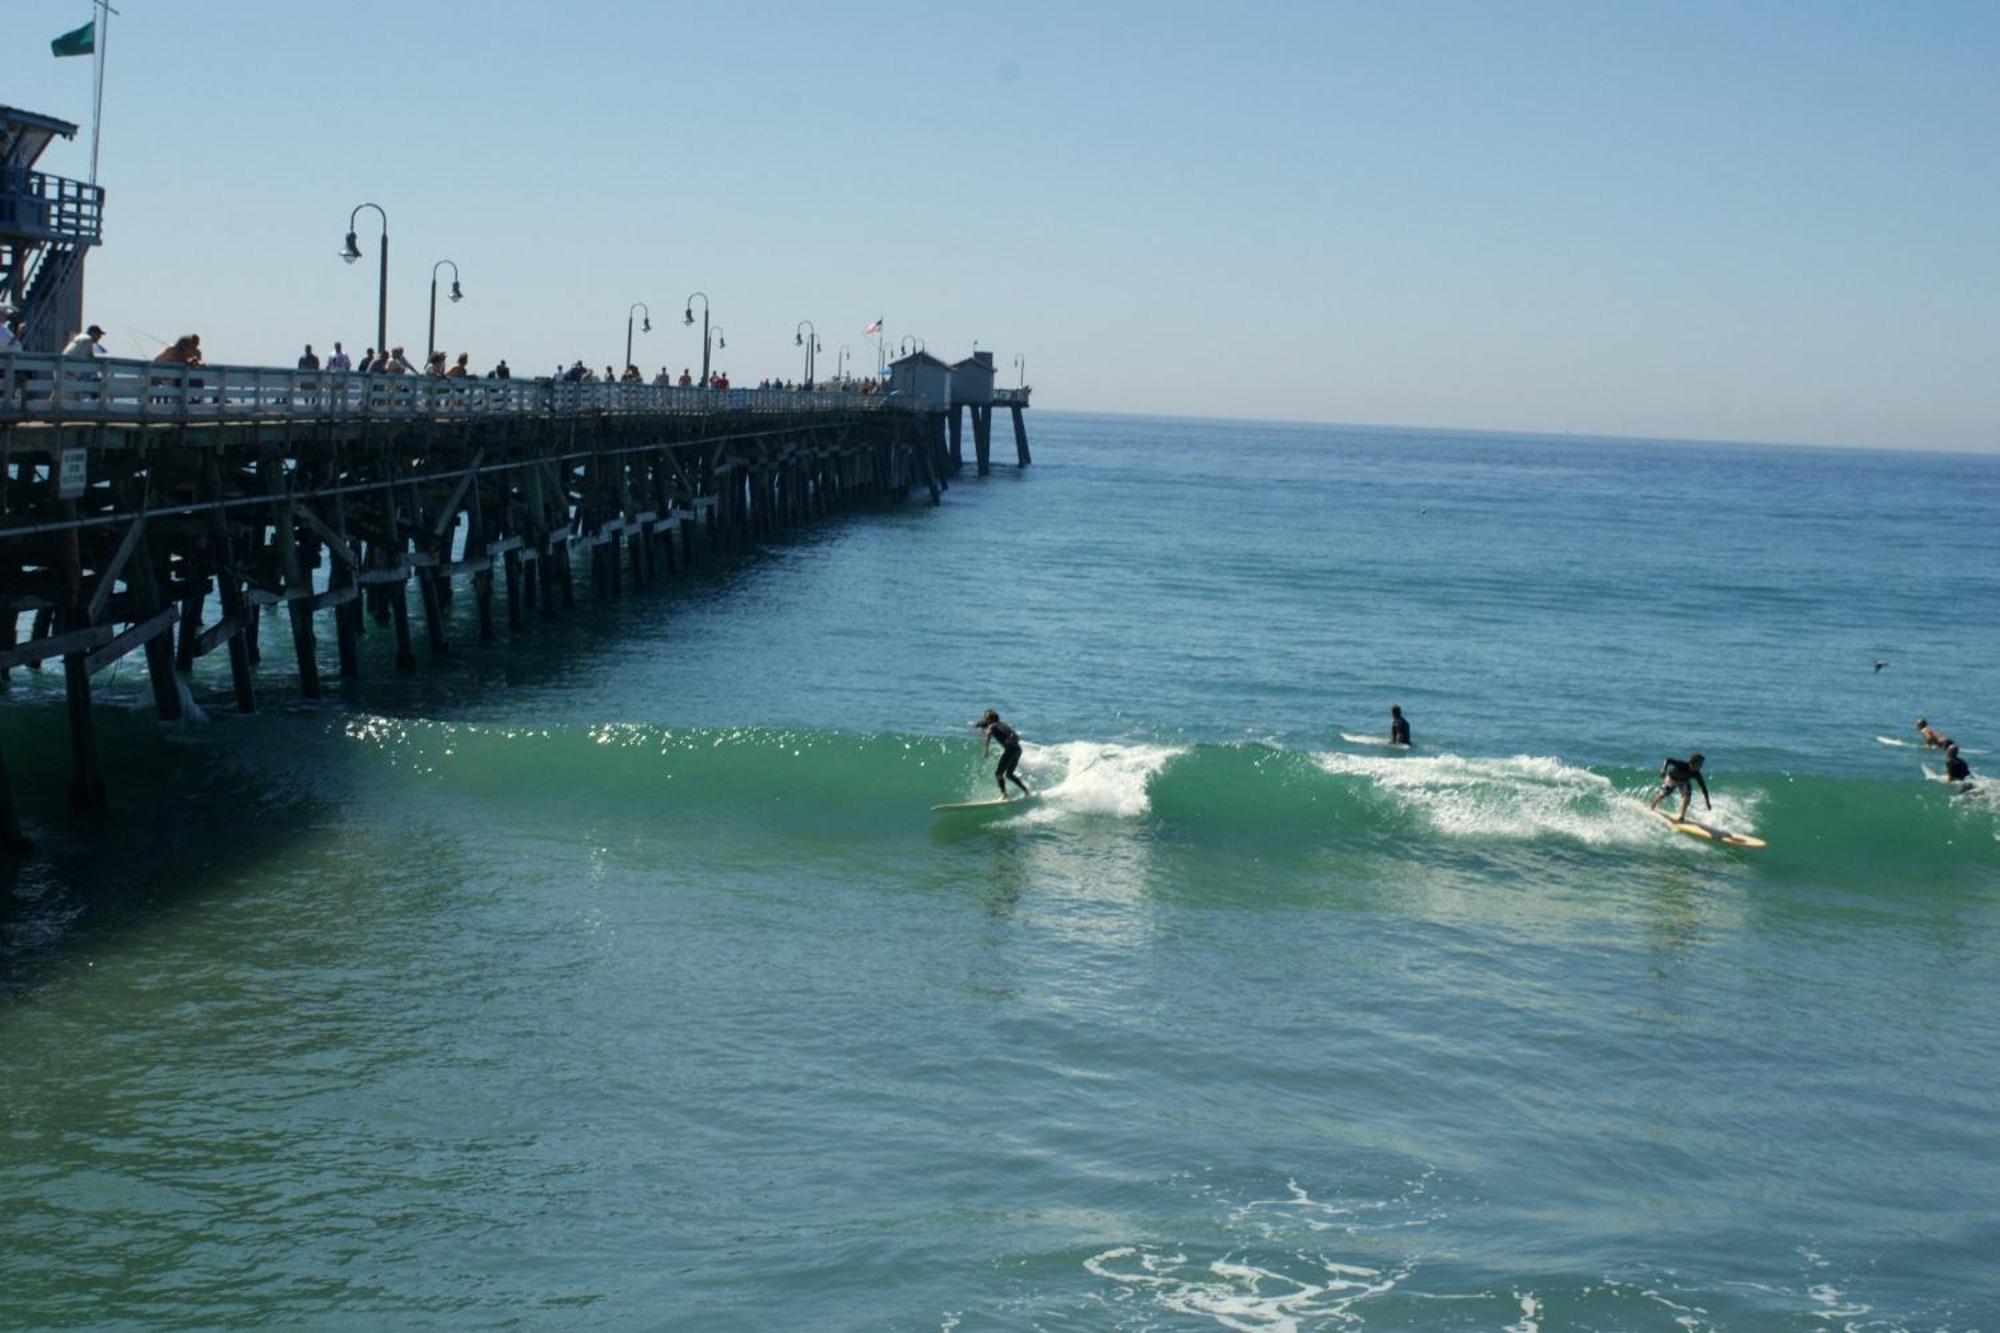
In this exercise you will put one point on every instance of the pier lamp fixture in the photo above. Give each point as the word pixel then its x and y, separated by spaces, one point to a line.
pixel 840 364
pixel 1021 364
pixel 352 251
pixel 687 317
pixel 910 343
pixel 806 336
pixel 646 327
pixel 430 339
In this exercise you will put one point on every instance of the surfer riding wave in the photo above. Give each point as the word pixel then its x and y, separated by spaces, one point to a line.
pixel 1010 751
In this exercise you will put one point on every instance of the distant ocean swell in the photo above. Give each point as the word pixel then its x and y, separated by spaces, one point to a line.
pixel 1249 792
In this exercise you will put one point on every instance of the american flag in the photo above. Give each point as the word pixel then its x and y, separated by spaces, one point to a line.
pixel 875 327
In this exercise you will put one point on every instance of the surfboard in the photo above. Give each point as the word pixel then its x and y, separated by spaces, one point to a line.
pixel 1897 742
pixel 1708 832
pixel 994 804
pixel 1357 738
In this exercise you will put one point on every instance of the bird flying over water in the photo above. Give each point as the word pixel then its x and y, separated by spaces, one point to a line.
pixel 1879 665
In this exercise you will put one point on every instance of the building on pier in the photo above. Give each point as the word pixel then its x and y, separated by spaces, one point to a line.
pixel 47 226
pixel 971 390
pixel 921 376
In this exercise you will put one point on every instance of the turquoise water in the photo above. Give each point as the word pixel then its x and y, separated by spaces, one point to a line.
pixel 619 976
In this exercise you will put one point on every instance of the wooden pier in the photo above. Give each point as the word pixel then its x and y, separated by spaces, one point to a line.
pixel 162 509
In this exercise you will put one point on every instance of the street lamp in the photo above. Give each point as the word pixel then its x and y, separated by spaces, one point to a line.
pixel 647 327
pixel 352 251
pixel 430 349
pixel 910 343
pixel 809 339
pixel 687 317
pixel 840 365
pixel 1021 364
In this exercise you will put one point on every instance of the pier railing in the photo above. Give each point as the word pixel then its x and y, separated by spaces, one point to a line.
pixel 59 389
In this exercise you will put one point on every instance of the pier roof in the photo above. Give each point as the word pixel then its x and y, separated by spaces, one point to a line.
pixel 24 134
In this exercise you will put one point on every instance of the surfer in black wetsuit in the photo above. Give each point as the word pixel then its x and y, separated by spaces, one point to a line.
pixel 1010 751
pixel 1399 726
pixel 1675 775
pixel 1956 770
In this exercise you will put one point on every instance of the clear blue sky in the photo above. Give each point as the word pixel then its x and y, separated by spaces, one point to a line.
pixel 1774 221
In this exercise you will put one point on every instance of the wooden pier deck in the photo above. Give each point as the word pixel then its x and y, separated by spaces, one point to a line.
pixel 163 509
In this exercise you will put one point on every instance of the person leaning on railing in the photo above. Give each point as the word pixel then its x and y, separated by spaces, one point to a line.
pixel 182 351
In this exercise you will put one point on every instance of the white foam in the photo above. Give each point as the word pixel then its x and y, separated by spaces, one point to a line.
pixel 1092 778
pixel 1521 797
pixel 1240 1295
pixel 1531 1311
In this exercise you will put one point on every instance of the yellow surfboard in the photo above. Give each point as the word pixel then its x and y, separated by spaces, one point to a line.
pixel 1708 832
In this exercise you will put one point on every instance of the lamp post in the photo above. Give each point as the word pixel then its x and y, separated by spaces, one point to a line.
pixel 910 343
pixel 647 327
pixel 430 341
pixel 806 336
pixel 1021 364
pixel 352 251
pixel 687 317
pixel 840 364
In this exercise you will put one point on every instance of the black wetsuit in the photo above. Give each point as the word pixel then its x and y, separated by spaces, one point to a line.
pixel 1010 754
pixel 1675 775
pixel 1399 730
pixel 1957 770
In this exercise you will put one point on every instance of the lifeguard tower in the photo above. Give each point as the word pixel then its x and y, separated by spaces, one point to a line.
pixel 47 226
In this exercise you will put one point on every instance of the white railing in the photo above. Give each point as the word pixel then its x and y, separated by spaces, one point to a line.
pixel 52 389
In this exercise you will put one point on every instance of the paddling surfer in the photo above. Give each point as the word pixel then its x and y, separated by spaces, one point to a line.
pixel 1675 776
pixel 1956 770
pixel 1399 726
pixel 1930 735
pixel 993 729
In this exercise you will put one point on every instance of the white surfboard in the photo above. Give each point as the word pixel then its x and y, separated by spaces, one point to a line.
pixel 1709 832
pixel 994 804
pixel 1898 743
pixel 1358 738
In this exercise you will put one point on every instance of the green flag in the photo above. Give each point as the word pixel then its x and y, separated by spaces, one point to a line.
pixel 79 43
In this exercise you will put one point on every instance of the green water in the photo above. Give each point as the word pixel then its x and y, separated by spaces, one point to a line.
pixel 619 976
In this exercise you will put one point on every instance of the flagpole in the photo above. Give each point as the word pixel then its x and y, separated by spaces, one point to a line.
pixel 102 40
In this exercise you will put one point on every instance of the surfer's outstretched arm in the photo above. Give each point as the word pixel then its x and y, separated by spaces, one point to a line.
pixel 1706 803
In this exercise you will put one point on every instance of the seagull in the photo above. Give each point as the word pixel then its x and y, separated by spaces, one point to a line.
pixel 1880 665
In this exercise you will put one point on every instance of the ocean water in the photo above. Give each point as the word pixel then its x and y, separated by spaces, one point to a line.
pixel 619 976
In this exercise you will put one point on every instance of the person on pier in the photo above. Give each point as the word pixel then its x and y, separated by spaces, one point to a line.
pixel 993 729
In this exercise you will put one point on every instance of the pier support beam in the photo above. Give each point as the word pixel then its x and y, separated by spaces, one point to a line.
pixel 1020 437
